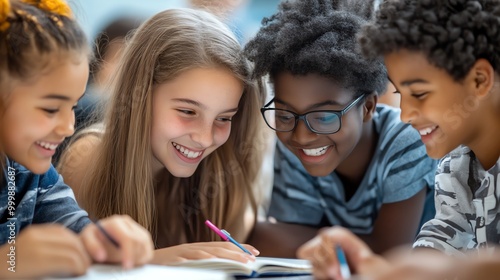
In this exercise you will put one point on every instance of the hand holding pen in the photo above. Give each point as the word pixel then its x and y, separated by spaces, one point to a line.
pixel 226 236
pixel 118 239
pixel 326 253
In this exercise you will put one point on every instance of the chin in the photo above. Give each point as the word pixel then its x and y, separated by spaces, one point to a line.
pixel 39 169
pixel 318 171
pixel 436 153
pixel 182 173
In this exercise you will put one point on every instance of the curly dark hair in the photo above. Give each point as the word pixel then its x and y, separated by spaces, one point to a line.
pixel 453 34
pixel 318 37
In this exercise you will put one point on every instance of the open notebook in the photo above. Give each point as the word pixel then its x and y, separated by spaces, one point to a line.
pixel 261 267
pixel 149 272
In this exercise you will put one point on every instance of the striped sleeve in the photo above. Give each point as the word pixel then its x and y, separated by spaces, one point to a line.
pixel 293 190
pixel 56 203
pixel 404 166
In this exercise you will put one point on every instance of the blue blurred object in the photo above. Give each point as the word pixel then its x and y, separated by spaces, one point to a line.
pixel 93 15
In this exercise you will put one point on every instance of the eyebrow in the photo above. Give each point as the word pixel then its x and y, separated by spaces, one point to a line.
pixel 201 106
pixel 60 97
pixel 57 96
pixel 314 106
pixel 190 101
pixel 414 81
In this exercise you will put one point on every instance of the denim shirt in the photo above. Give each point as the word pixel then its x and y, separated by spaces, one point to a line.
pixel 27 198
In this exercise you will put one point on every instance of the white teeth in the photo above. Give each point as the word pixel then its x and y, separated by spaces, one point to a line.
pixel 47 146
pixel 316 152
pixel 187 153
pixel 427 130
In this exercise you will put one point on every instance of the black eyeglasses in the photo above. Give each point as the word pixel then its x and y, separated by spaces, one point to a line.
pixel 319 122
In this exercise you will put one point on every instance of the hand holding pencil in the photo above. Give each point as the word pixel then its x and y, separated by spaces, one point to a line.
pixel 118 239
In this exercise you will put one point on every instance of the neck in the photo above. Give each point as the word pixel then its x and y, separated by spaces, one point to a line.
pixel 487 146
pixel 157 168
pixel 485 137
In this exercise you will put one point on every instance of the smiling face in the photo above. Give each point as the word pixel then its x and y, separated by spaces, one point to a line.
pixel 192 117
pixel 319 154
pixel 444 111
pixel 39 114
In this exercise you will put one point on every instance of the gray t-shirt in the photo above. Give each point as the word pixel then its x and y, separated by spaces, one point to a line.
pixel 467 205
pixel 399 169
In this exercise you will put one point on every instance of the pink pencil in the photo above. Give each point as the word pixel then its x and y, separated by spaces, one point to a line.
pixel 216 230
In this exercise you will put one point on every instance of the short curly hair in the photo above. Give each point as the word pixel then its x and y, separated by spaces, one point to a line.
pixel 453 34
pixel 318 37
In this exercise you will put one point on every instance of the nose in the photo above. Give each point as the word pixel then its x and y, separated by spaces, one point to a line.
pixel 409 111
pixel 302 134
pixel 204 135
pixel 66 125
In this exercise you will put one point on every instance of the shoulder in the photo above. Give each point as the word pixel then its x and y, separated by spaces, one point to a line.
pixel 460 159
pixel 78 156
pixel 285 161
pixel 82 146
pixel 395 136
pixel 389 125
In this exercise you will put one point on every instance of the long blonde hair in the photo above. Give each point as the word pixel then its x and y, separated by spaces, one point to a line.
pixel 121 178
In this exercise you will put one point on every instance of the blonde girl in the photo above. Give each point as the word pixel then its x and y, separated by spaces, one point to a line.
pixel 181 141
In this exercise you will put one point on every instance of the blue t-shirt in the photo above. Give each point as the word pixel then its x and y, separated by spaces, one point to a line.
pixel 399 169
pixel 36 199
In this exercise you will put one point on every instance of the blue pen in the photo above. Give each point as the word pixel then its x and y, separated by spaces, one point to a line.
pixel 235 242
pixel 344 267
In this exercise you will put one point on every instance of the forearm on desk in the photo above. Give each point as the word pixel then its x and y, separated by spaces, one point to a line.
pixel 280 239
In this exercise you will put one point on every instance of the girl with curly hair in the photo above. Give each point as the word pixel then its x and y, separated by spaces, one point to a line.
pixel 341 159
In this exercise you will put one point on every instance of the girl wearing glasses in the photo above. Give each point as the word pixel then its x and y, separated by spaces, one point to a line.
pixel 341 159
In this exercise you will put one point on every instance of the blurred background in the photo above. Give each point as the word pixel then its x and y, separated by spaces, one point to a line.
pixel 243 16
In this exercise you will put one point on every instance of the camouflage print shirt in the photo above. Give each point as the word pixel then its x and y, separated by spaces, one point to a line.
pixel 467 205
pixel 27 198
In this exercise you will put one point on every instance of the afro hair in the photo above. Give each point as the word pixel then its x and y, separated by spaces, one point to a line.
pixel 318 37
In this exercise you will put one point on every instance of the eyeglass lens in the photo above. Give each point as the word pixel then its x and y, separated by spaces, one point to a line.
pixel 323 122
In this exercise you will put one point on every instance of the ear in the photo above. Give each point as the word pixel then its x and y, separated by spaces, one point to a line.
pixel 482 77
pixel 369 106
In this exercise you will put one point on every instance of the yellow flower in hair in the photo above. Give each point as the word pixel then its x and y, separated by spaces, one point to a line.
pixel 58 7
pixel 4 14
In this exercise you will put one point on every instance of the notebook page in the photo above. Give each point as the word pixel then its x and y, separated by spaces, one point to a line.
pixel 263 265
pixel 150 272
